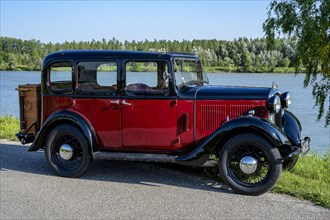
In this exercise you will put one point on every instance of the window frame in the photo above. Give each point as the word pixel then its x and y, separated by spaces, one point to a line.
pixel 90 93
pixel 144 94
pixel 48 81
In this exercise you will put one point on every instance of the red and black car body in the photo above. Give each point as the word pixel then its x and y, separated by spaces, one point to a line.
pixel 174 116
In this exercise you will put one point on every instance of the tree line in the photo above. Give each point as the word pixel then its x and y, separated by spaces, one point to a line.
pixel 239 55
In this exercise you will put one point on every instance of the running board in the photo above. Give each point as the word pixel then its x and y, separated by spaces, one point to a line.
pixel 210 163
pixel 164 158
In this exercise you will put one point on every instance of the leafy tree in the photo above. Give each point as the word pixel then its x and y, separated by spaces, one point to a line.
pixel 308 23
pixel 247 61
pixel 284 62
pixel 12 62
pixel 229 63
pixel 239 55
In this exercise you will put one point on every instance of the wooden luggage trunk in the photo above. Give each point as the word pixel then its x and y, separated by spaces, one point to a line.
pixel 30 109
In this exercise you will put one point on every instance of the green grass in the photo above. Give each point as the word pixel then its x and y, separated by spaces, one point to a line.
pixel 9 126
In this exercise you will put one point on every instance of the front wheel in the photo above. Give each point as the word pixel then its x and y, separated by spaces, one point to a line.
pixel 249 164
pixel 67 151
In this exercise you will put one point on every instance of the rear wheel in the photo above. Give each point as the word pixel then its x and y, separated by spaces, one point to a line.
pixel 67 151
pixel 249 164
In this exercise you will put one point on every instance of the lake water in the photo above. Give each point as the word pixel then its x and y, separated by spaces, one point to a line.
pixel 302 105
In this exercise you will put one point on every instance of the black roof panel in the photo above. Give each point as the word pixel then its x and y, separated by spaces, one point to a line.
pixel 111 54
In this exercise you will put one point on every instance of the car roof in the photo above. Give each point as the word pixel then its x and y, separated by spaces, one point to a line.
pixel 111 54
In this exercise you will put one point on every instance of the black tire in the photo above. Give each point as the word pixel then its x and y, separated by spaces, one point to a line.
pixel 255 179
pixel 80 160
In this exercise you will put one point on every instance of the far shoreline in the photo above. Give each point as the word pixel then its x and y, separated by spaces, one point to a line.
pixel 216 69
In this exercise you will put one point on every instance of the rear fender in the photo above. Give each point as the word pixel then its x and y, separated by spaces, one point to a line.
pixel 62 117
pixel 245 124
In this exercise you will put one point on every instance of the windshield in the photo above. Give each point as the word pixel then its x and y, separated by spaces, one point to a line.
pixel 189 72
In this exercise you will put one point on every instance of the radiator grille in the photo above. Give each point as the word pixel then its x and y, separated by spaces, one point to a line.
pixel 212 116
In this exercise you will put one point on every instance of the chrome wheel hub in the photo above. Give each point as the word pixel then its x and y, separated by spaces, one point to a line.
pixel 248 165
pixel 66 152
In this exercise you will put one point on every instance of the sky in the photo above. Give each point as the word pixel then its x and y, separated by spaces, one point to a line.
pixel 60 21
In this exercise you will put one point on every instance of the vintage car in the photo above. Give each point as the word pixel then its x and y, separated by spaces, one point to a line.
pixel 157 107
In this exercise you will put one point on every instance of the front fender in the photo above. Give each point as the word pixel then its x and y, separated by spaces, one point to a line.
pixel 61 117
pixel 244 124
pixel 292 128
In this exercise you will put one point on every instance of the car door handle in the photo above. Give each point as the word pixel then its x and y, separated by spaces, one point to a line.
pixel 115 102
pixel 125 103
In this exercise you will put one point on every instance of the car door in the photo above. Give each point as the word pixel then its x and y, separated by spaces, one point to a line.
pixel 149 112
pixel 97 99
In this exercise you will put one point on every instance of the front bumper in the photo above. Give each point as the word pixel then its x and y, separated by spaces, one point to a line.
pixel 302 150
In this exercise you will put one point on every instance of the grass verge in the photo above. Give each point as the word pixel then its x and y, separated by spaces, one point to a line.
pixel 309 180
pixel 9 126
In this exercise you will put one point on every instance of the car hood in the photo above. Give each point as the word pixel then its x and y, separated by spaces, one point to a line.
pixel 232 92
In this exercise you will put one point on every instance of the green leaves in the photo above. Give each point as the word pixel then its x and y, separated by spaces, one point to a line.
pixel 307 21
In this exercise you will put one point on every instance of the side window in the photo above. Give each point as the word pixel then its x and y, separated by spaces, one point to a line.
pixel 98 78
pixel 146 78
pixel 60 77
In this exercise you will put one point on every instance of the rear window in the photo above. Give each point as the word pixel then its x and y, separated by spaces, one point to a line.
pixel 60 77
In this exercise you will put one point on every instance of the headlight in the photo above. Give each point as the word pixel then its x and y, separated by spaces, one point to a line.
pixel 274 104
pixel 286 99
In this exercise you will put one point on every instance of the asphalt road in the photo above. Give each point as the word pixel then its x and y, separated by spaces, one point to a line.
pixel 129 190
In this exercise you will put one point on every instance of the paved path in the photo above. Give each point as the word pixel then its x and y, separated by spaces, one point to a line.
pixel 128 190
